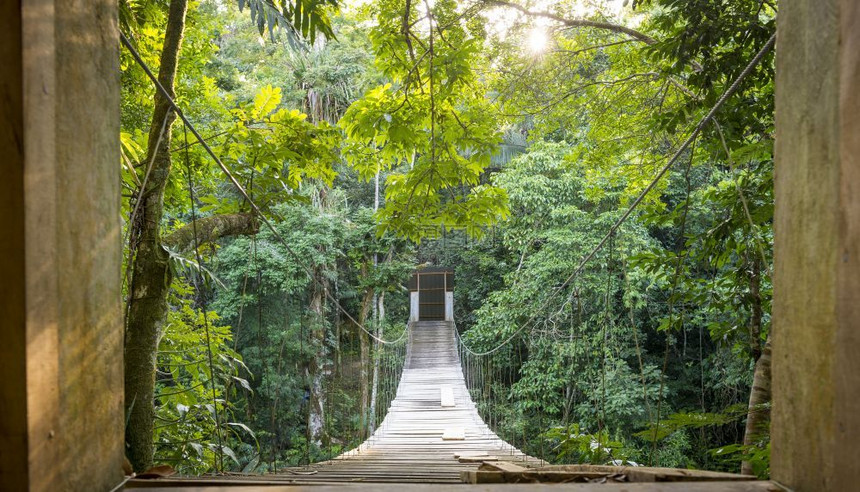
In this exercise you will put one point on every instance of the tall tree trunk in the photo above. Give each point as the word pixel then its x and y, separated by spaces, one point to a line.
pixel 273 456
pixel 317 369
pixel 378 314
pixel 364 380
pixel 147 308
pixel 758 418
pixel 374 385
pixel 756 315
pixel 338 321
pixel 371 424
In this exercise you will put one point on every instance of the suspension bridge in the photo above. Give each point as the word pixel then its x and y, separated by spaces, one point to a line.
pixel 433 434
pixel 432 431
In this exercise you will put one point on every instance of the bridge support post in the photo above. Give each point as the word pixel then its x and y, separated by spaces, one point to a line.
pixel 816 311
pixel 449 306
pixel 414 306
pixel 61 408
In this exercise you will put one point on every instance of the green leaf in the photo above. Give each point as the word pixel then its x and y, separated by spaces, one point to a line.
pixel 266 101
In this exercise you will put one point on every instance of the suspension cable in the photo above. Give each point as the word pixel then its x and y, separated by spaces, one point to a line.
pixel 576 272
pixel 203 302
pixel 679 265
pixel 238 186
pixel 612 230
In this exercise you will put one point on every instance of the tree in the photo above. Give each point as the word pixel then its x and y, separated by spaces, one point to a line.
pixel 656 351
pixel 625 104
pixel 430 123
pixel 151 276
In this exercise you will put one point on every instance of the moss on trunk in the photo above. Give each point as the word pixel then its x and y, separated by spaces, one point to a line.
pixel 147 308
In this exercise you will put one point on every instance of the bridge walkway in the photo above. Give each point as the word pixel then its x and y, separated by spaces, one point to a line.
pixel 432 423
pixel 431 427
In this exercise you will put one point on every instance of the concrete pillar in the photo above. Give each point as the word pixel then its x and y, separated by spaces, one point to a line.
pixel 449 306
pixel 61 408
pixel 414 306
pixel 816 311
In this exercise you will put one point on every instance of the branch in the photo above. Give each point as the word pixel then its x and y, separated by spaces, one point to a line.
pixel 608 26
pixel 210 229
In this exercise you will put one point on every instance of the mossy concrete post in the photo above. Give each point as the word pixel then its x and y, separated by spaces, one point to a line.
pixel 61 408
pixel 816 314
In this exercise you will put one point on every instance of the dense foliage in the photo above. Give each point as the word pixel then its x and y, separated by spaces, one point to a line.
pixel 400 133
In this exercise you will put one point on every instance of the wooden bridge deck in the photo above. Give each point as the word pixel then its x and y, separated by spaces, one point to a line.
pixel 430 424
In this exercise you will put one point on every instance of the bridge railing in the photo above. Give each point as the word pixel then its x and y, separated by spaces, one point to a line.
pixel 489 377
pixel 388 358
pixel 389 362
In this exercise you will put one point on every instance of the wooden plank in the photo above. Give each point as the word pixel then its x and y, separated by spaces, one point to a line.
pixel 652 474
pixel 477 476
pixel 454 434
pixel 447 397
pixel 470 455
pixel 489 473
pixel 231 485
pixel 477 459
pixel 503 466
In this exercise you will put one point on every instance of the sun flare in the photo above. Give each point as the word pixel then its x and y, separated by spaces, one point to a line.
pixel 538 41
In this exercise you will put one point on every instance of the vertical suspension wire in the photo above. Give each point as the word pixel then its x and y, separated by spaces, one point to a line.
pixel 508 388
pixel 491 410
pixel 494 408
pixel 202 302
pixel 681 256
pixel 572 352
pixel 275 442
pixel 241 311
pixel 635 332
pixel 389 366
pixel 521 411
pixel 488 409
pixel 306 398
pixel 601 428
pixel 482 388
pixel 327 414
pixel 361 421
pixel 541 437
pixel 568 362
pixel 260 344
pixel 260 341
pixel 468 374
pixel 328 378
pixel 244 281
pixel 592 334
pixel 383 382
pixel 485 389
pixel 386 383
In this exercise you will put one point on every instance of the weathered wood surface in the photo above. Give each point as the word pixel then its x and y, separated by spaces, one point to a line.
pixel 432 431
pixel 222 485
pixel 410 445
pixel 511 473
